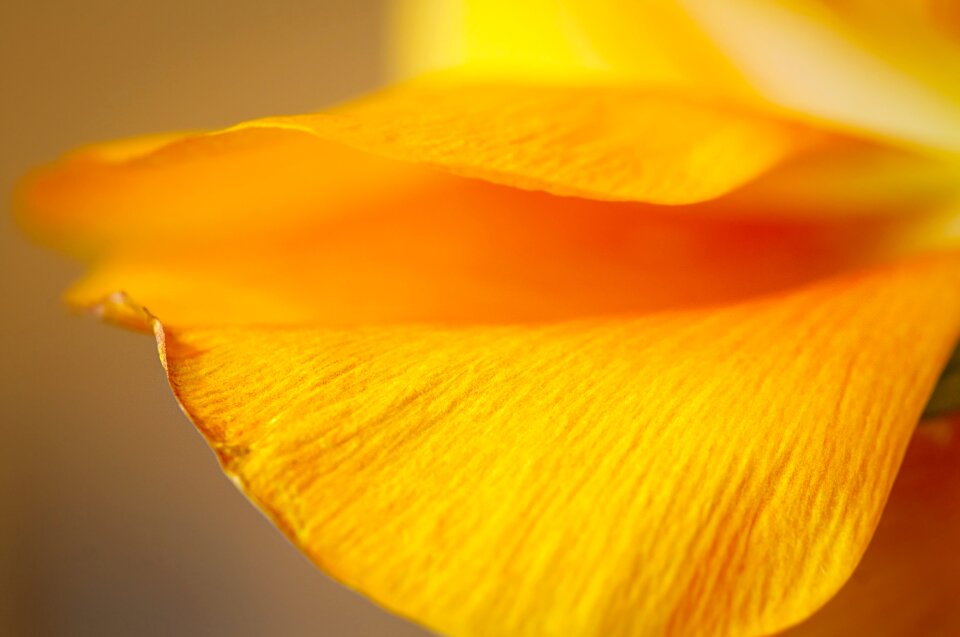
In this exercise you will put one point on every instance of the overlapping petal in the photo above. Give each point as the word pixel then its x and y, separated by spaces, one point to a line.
pixel 652 43
pixel 834 61
pixel 596 141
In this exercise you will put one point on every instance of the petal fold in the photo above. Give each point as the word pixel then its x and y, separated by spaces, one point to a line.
pixel 453 251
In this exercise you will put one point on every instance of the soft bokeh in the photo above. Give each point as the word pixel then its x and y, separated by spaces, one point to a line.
pixel 116 519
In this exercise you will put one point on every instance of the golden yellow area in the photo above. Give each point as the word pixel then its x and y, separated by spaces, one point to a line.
pixel 710 472
pixel 652 42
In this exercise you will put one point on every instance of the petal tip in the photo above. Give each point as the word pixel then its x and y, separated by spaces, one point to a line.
pixel 119 309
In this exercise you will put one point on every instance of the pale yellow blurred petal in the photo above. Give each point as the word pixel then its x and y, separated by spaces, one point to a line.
pixel 803 57
pixel 650 42
pixel 535 37
pixel 424 36
pixel 885 69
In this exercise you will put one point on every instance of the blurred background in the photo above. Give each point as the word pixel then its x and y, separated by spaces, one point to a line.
pixel 116 519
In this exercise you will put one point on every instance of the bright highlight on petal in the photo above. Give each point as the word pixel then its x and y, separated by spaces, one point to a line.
pixel 714 472
pixel 881 68
pixel 649 43
pixel 838 71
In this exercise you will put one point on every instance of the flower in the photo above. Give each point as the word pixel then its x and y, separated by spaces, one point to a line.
pixel 622 329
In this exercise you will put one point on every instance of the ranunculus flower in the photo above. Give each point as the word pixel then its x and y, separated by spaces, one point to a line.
pixel 622 328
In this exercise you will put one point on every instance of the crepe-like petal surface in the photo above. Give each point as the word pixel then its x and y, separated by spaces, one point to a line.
pixel 709 472
pixel 908 583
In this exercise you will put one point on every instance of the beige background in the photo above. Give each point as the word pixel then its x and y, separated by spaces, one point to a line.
pixel 115 517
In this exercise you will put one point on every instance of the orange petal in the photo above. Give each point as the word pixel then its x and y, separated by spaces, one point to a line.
pixel 908 583
pixel 601 142
pixel 461 251
pixel 715 472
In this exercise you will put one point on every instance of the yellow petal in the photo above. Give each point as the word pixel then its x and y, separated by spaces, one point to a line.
pixel 601 142
pixel 587 140
pixel 715 472
pixel 884 68
pixel 843 64
pixel 652 42
pixel 908 583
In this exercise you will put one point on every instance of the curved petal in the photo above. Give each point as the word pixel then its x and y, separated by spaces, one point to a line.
pixel 459 251
pixel 715 472
pixel 600 142
pixel 909 580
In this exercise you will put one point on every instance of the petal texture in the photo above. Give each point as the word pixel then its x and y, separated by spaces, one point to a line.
pixel 590 140
pixel 710 472
pixel 908 583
